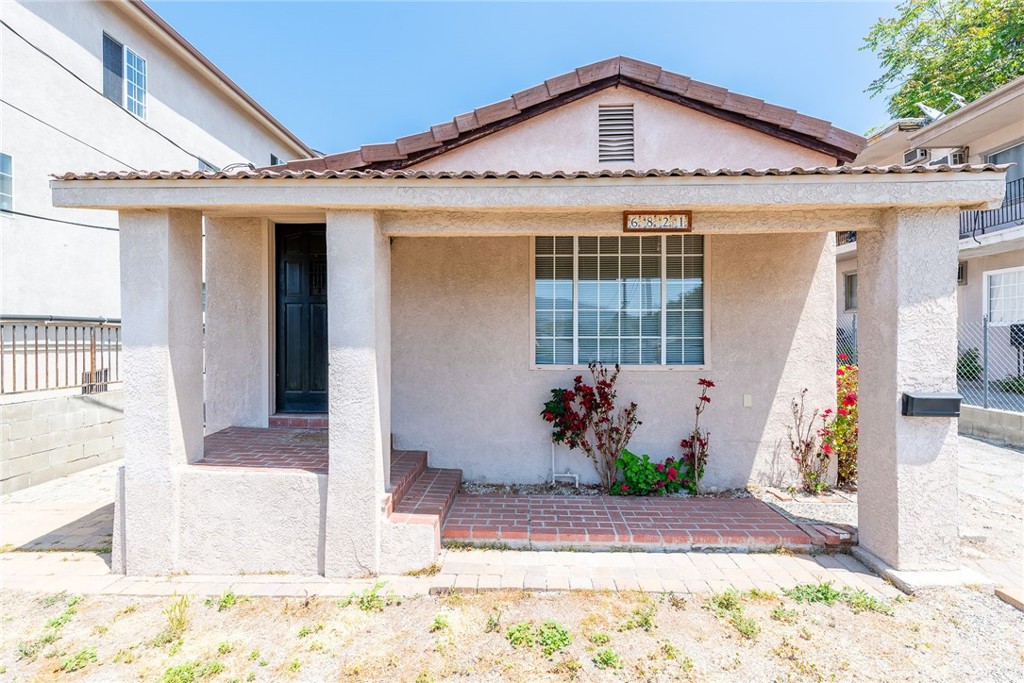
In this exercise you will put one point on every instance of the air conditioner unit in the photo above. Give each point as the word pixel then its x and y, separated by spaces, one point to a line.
pixel 915 156
pixel 959 156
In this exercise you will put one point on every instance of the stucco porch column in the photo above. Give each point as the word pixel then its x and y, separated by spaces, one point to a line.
pixel 237 322
pixel 907 478
pixel 359 390
pixel 161 303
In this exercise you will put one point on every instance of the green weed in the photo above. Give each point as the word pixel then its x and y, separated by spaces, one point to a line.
pixel 607 659
pixel 79 660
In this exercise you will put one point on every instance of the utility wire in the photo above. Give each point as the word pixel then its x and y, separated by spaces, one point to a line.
pixel 90 87
pixel 57 220
pixel 64 132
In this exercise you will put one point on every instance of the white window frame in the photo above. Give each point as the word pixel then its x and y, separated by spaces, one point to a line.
pixel 986 289
pixel 11 157
pixel 846 290
pixel 125 82
pixel 532 341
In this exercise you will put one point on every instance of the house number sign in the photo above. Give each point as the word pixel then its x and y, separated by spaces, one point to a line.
pixel 657 221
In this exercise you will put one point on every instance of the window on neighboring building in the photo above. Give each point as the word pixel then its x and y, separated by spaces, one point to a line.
pixel 6 183
pixel 135 80
pixel 850 291
pixel 1012 155
pixel 634 300
pixel 1004 295
pixel 124 77
pixel 961 272
pixel 275 160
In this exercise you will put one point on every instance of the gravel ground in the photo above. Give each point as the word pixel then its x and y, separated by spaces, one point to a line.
pixel 944 635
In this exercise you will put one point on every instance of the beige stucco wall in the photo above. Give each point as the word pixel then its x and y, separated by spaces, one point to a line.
pixel 667 135
pixel 464 390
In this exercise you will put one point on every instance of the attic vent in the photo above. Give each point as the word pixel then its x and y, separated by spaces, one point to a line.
pixel 615 132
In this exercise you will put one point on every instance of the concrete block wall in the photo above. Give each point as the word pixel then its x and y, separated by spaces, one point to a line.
pixel 48 436
pixel 998 425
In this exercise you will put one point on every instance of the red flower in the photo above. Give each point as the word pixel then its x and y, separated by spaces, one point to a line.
pixel 706 399
pixel 843 412
pixel 828 411
pixel 672 473
pixel 843 356
pixel 705 383
pixel 624 488
pixel 660 467
pixel 827 448
pixel 850 399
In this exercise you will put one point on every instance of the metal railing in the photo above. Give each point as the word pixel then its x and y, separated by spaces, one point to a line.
pixel 845 237
pixel 39 353
pixel 846 338
pixel 1009 214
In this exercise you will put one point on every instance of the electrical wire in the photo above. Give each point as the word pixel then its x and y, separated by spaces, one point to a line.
pixel 57 220
pixel 64 132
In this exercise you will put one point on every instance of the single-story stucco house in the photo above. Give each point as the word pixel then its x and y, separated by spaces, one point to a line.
pixel 428 293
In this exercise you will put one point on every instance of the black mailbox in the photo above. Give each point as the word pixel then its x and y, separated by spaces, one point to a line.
pixel 931 405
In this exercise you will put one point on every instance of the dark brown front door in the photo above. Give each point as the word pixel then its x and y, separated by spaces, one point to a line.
pixel 301 319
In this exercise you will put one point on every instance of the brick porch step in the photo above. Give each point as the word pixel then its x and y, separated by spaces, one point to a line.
pixel 299 420
pixel 432 493
pixel 406 467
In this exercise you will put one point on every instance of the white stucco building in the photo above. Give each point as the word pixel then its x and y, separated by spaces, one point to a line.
pixel 92 85
pixel 427 294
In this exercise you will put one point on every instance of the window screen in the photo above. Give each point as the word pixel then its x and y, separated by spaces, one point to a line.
pixel 113 70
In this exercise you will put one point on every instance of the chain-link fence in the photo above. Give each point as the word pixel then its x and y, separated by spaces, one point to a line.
pixel 846 337
pixel 990 364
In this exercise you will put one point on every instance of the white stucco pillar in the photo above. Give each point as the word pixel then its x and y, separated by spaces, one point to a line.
pixel 359 390
pixel 907 472
pixel 237 323
pixel 161 303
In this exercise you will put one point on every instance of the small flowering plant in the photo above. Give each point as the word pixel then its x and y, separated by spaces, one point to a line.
pixel 695 446
pixel 641 477
pixel 841 434
pixel 586 417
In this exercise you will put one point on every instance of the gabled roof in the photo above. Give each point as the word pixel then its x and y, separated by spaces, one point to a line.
pixel 779 122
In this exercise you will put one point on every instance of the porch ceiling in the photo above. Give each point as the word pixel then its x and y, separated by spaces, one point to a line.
pixel 770 190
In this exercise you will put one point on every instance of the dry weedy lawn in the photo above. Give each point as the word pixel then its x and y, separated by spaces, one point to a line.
pixel 947 635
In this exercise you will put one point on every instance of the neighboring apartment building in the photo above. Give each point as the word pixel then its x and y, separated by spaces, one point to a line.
pixel 87 85
pixel 991 265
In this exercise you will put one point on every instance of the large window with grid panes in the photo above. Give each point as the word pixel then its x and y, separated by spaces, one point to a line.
pixel 631 299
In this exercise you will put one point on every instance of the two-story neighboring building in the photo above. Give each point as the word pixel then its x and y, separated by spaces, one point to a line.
pixel 990 271
pixel 91 85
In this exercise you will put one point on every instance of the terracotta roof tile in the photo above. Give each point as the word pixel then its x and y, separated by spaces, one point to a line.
pixel 741 104
pixel 496 112
pixel 563 83
pixel 411 174
pixel 598 70
pixel 641 71
pixel 705 92
pixel 531 96
pixel 818 134
pixel 466 122
pixel 385 151
pixel 443 132
pixel 416 143
pixel 808 125
pixel 674 83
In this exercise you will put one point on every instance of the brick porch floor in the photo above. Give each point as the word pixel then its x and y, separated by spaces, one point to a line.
pixel 602 521
pixel 290 449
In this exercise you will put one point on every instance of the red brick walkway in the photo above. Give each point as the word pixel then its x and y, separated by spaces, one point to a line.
pixel 290 449
pixel 678 523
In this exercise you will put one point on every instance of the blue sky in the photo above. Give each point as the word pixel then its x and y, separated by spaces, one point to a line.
pixel 341 74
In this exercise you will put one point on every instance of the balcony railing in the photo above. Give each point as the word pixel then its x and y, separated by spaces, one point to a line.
pixel 975 223
pixel 1010 214
pixel 39 353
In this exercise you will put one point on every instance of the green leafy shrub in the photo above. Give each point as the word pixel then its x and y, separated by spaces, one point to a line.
pixel 553 637
pixel 521 635
pixel 607 659
pixel 968 365
pixel 840 436
pixel 1013 385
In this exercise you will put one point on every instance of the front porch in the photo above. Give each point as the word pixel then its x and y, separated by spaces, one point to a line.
pixel 420 494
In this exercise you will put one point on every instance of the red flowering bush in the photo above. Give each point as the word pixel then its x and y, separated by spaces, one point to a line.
pixel 695 447
pixel 841 434
pixel 811 457
pixel 586 417
pixel 641 477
